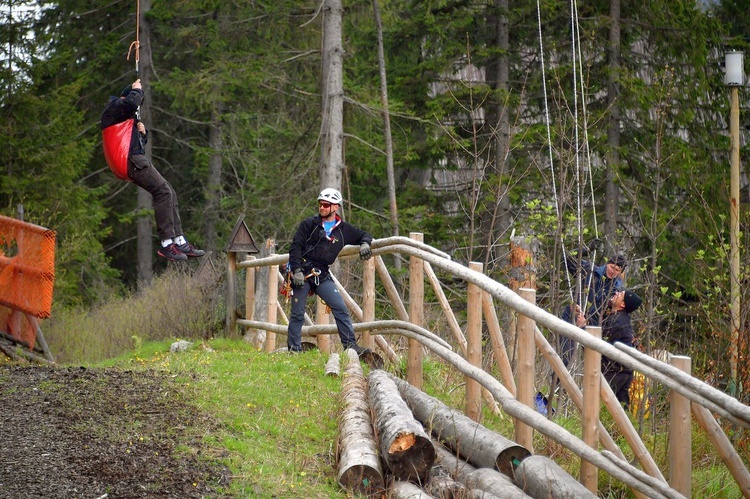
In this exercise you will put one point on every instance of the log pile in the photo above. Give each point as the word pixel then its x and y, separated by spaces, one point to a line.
pixel 428 450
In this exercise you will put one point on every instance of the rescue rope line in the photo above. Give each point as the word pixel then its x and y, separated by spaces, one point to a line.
pixel 549 139
pixel 136 45
pixel 576 57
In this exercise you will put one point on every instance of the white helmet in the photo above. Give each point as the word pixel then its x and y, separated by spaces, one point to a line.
pixel 330 195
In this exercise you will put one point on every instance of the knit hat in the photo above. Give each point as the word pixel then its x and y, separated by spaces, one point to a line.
pixel 126 91
pixel 632 301
pixel 619 260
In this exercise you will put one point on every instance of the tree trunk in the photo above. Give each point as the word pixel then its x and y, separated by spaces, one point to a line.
pixel 213 183
pixel 359 466
pixel 442 485
pixel 481 446
pixel 540 476
pixel 406 490
pixel 490 482
pixel 387 125
pixel 333 366
pixel 145 204
pixel 404 445
pixel 496 222
pixel 332 127
pixel 613 131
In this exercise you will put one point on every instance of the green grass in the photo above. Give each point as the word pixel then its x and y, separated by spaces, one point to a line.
pixel 277 419
pixel 277 413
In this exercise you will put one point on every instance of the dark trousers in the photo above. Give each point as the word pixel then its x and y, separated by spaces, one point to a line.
pixel 620 383
pixel 328 292
pixel 147 177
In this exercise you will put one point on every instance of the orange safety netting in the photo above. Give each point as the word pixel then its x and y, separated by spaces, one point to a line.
pixel 27 268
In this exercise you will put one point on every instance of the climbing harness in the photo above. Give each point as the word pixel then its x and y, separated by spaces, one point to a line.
pixel 287 290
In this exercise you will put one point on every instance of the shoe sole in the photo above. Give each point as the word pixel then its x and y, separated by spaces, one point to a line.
pixel 171 259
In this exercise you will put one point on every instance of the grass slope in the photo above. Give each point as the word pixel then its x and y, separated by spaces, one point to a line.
pixel 278 413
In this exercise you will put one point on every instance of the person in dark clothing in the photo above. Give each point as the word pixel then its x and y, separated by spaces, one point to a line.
pixel 616 327
pixel 142 172
pixel 601 282
pixel 314 248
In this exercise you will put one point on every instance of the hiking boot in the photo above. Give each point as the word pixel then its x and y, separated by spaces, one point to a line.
pixel 173 253
pixel 190 250
pixel 360 350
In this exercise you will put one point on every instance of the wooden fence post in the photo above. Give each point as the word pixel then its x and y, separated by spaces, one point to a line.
pixel 473 407
pixel 680 435
pixel 414 373
pixel 272 284
pixel 250 335
pixel 321 317
pixel 231 322
pixel 368 300
pixel 524 434
pixel 592 368
pixel 522 275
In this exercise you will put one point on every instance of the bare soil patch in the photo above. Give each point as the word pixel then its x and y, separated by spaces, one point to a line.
pixel 93 433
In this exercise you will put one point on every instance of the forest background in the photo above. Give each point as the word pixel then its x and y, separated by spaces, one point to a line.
pixel 636 153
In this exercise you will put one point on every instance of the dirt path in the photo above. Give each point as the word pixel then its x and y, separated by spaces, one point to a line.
pixel 94 433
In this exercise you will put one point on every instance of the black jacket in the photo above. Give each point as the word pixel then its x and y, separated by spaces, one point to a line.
pixel 119 110
pixel 616 327
pixel 312 249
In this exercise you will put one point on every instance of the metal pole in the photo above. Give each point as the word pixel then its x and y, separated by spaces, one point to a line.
pixel 734 222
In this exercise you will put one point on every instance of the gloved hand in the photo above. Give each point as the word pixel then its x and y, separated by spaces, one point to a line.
pixel 364 251
pixel 596 245
pixel 298 278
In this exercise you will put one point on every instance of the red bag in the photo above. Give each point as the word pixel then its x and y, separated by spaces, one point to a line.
pixel 116 144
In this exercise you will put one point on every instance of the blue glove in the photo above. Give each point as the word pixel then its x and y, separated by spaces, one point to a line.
pixel 364 251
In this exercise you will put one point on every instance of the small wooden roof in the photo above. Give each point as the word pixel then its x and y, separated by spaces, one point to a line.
pixel 241 241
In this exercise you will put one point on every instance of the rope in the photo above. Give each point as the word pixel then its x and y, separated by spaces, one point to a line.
pixel 136 44
pixel 549 140
pixel 576 56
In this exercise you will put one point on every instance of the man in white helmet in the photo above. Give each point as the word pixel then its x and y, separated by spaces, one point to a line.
pixel 315 246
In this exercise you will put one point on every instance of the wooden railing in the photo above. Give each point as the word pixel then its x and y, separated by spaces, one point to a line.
pixel 515 394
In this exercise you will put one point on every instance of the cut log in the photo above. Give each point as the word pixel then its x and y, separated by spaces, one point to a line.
pixel 482 447
pixel 540 477
pixel 359 467
pixel 405 446
pixel 441 485
pixel 490 482
pixel 333 366
pixel 406 490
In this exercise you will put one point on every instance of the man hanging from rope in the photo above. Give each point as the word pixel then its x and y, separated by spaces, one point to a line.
pixel 124 139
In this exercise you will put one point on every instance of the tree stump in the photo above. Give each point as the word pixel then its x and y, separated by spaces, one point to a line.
pixel 333 367
pixel 404 445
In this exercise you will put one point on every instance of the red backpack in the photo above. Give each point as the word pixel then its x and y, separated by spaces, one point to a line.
pixel 116 144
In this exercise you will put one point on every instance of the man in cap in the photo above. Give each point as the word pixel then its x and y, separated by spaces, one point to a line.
pixel 602 281
pixel 616 327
